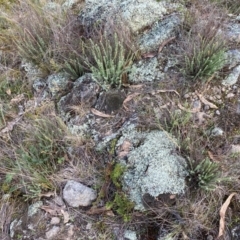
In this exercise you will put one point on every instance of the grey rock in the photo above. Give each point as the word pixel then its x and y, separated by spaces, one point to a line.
pixel 98 10
pixel 50 234
pixel 232 77
pixel 233 58
pixel 83 95
pixel 68 4
pixel 29 223
pixel 41 92
pixel 235 232
pixel 196 105
pixel 130 235
pixel 84 91
pixel 141 13
pixel 13 226
pixel 230 95
pixel 124 234
pixel 233 32
pixel 160 31
pixel 55 220
pixel 32 70
pixel 77 194
pixel 146 71
pixel 215 132
pixel 33 209
pixel 235 149
pixel 218 112
pixel 57 83
pixel 153 166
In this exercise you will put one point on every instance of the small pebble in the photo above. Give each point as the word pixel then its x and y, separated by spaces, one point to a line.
pixel 211 98
pixel 206 107
pixel 89 226
pixel 196 105
pixel 218 96
pixel 217 112
pixel 55 220
pixel 217 132
pixel 230 95
pixel 223 89
pixel 187 95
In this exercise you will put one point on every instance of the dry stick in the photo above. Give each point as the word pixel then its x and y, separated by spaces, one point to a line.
pixel 152 54
pixel 165 43
pixel 222 214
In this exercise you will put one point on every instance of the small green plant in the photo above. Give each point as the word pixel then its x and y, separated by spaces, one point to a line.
pixel 73 67
pixel 204 58
pixel 110 61
pixel 205 175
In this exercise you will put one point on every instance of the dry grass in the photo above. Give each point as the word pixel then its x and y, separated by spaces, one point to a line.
pixel 233 6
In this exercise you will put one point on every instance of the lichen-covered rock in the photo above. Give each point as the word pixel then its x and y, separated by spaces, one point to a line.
pixel 146 71
pixel 233 58
pixel 233 32
pixel 141 13
pixel 77 194
pixel 232 77
pixel 130 235
pixel 82 97
pixel 160 32
pixel 84 91
pixel 57 83
pixel 137 13
pixel 153 166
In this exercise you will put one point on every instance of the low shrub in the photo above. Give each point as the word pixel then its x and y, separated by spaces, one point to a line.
pixel 203 46
pixel 109 60
pixel 203 58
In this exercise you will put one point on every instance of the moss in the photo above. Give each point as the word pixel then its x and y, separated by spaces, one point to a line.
pixel 122 205
pixel 112 146
pixel 116 174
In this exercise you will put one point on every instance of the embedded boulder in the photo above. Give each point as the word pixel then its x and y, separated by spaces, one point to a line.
pixel 139 14
pixel 153 166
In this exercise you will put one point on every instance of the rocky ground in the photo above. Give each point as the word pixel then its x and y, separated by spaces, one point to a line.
pixel 151 152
